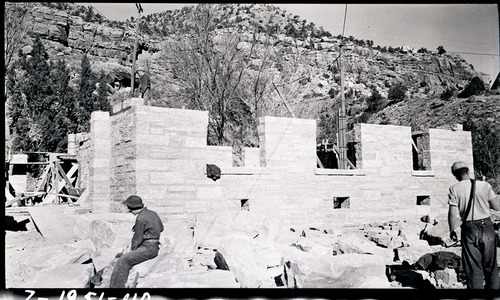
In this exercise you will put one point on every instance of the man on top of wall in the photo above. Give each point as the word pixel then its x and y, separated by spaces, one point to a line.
pixel 145 242
pixel 474 227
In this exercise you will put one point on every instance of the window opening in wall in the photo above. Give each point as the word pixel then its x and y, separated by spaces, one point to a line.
pixel 328 155
pixel 420 151
pixel 245 204
pixel 424 200
pixel 341 202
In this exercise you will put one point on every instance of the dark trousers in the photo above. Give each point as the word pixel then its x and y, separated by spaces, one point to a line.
pixel 479 254
pixel 146 251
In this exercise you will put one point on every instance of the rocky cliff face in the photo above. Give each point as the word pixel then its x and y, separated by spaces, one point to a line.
pixel 59 28
pixel 426 75
pixel 68 37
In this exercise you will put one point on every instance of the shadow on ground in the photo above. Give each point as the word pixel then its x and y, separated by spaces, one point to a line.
pixel 407 277
pixel 12 225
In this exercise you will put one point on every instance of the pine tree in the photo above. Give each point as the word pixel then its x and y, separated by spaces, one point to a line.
pixel 101 102
pixel 37 96
pixel 63 107
pixel 17 112
pixel 85 97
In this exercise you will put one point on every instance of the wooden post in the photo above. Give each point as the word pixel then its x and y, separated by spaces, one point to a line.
pixel 134 54
pixel 55 181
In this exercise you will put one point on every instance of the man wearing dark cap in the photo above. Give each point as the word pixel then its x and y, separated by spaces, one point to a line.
pixel 473 226
pixel 145 242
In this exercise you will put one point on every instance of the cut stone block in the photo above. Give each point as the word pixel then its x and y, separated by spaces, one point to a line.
pixel 446 277
pixel 102 234
pixel 241 259
pixel 179 236
pixel 304 270
pixel 439 233
pixel 66 254
pixel 67 276
pixel 191 279
pixel 204 258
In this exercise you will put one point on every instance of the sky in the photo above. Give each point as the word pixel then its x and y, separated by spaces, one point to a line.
pixel 471 30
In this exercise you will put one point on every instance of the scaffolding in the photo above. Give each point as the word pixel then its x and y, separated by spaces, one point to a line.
pixel 58 182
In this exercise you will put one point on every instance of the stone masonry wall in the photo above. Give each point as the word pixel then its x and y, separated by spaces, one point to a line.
pixel 161 155
pixel 93 153
pixel 123 159
pixel 80 145
pixel 171 159
pixel 100 162
pixel 446 147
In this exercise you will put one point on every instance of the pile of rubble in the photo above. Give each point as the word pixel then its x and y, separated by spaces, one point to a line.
pixel 236 251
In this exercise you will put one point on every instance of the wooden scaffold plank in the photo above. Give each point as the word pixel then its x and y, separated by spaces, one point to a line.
pixel 59 184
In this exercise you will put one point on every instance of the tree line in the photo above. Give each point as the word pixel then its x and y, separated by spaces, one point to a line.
pixel 42 105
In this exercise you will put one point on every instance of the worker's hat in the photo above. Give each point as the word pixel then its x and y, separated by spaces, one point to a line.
pixel 458 165
pixel 134 202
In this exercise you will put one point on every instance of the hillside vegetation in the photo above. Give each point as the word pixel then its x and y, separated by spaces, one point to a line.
pixel 241 62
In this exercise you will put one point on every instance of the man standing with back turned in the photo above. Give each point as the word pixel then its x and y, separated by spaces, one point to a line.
pixel 145 241
pixel 474 227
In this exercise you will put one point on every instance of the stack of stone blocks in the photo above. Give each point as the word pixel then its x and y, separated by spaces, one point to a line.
pixel 161 154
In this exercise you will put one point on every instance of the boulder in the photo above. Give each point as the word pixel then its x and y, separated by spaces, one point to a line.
pixel 168 263
pixel 211 233
pixel 238 254
pixel 277 231
pixel 189 279
pixel 27 49
pixel 349 246
pixel 118 72
pixel 67 276
pixel 124 222
pixel 274 277
pixel 381 237
pixel 83 244
pixel 269 254
pixel 56 257
pixel 106 275
pixel 104 257
pixel 204 257
pixel 438 233
pixel 445 278
pixel 102 234
pixel 312 232
pixel 412 254
pixel 179 237
pixel 410 230
pixel 312 247
pixel 304 270
pixel 397 242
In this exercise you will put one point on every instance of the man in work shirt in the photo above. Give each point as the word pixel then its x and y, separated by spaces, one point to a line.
pixel 145 242
pixel 479 249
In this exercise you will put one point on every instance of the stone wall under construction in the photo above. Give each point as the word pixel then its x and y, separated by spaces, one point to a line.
pixel 161 154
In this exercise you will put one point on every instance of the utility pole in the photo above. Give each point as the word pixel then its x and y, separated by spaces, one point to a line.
pixel 342 116
pixel 134 54
pixel 342 126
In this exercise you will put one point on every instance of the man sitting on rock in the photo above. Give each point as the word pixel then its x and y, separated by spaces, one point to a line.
pixel 145 242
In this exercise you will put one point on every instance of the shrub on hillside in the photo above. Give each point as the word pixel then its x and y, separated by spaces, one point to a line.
pixel 475 87
pixel 441 50
pixel 375 101
pixel 447 94
pixel 397 93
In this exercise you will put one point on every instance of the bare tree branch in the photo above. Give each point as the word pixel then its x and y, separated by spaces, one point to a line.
pixel 17 24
